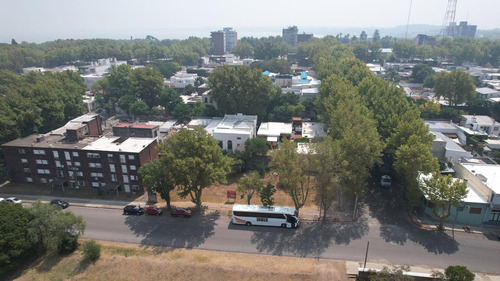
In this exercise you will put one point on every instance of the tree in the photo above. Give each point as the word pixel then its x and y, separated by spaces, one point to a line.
pixel 420 72
pixel 455 86
pixel 139 108
pixel 182 112
pixel 328 173
pixel 188 90
pixel 166 68
pixel 126 101
pixel 294 172
pixel 199 81
pixel 169 99
pixel 458 273
pixel 198 109
pixel 239 89
pixel 156 177
pixel 147 84
pixel 15 243
pixel 266 194
pixel 119 81
pixel 363 36
pixel 444 192
pixel 50 226
pixel 249 185
pixel 195 161
pixel 243 50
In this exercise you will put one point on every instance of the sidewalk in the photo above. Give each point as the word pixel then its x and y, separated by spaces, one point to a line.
pixel 425 222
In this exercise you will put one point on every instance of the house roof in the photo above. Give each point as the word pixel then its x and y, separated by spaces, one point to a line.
pixel 490 174
pixel 112 144
pixel 274 129
pixel 472 195
pixel 486 91
pixel 480 119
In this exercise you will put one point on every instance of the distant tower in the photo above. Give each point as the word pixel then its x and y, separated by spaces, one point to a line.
pixel 449 17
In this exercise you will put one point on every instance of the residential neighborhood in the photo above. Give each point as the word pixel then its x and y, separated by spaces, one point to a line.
pixel 238 151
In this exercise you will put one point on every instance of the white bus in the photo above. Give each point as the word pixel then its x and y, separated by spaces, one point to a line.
pixel 268 216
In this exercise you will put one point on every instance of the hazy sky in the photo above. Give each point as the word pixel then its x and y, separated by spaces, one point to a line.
pixel 45 20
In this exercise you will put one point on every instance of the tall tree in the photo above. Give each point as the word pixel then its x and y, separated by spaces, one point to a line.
pixel 444 192
pixel 195 161
pixel 243 50
pixel 239 89
pixel 156 177
pixel 328 174
pixel 420 72
pixel 249 185
pixel 147 84
pixel 119 81
pixel 455 86
pixel 266 195
pixel 294 172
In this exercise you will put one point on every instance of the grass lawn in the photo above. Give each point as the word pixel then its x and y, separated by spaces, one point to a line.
pixel 120 261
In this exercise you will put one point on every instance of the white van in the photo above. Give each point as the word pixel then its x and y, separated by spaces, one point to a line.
pixel 385 181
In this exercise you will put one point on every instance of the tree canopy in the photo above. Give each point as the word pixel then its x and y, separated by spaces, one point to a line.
pixel 455 86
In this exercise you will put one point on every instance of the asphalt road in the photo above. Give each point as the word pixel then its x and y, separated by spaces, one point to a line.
pixel 398 242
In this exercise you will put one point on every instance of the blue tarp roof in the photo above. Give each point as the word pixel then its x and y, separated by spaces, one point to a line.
pixel 267 72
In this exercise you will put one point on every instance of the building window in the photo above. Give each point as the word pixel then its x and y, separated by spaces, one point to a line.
pixel 238 138
pixel 55 153
pixel 95 184
pixel 95 165
pixel 80 174
pixel 112 168
pixel 96 175
pixel 77 164
pixel 131 157
pixel 93 155
pixel 132 167
pixel 114 178
pixel 58 164
pixel 28 179
pixel 39 151
pixel 43 180
pixel 42 162
pixel 475 211
pixel 67 155
pixel 122 159
pixel 110 157
pixel 124 169
pixel 495 128
pixel 81 183
pixel 135 188
pixel 229 145
pixel 21 151
pixel 71 174
pixel 24 160
pixel 68 163
pixel 133 177
pixel 75 153
pixel 60 173
pixel 43 171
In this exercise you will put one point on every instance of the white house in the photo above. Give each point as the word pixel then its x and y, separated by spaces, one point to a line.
pixel 314 131
pixel 487 93
pixel 275 131
pixel 181 79
pixel 481 123
pixel 231 131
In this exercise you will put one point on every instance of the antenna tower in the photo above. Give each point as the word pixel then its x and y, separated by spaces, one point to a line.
pixel 449 16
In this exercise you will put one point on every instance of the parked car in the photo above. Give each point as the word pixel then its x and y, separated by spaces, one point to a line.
pixel 60 203
pixel 152 210
pixel 2 199
pixel 385 181
pixel 133 210
pixel 14 200
pixel 180 212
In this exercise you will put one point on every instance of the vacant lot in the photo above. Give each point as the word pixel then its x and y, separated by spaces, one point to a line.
pixel 133 262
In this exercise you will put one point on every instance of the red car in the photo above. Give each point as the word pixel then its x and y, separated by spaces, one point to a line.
pixel 180 212
pixel 153 211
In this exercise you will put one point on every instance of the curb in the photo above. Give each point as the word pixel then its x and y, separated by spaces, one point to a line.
pixel 434 228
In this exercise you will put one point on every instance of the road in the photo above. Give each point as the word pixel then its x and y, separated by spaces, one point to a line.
pixel 400 243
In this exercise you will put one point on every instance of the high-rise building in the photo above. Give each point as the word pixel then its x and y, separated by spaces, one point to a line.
pixel 218 42
pixel 290 35
pixel 224 40
pixel 304 37
pixel 461 30
pixel 423 39
pixel 231 37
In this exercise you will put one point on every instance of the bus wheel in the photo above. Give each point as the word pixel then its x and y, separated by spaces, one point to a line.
pixel 248 223
pixel 283 225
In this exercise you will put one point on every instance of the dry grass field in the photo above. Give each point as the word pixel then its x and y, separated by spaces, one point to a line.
pixel 133 262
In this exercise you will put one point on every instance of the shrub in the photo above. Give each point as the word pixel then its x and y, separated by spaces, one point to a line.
pixel 91 251
pixel 459 273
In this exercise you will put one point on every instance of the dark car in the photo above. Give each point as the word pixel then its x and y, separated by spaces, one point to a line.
pixel 180 212
pixel 133 210
pixel 60 203
pixel 152 210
